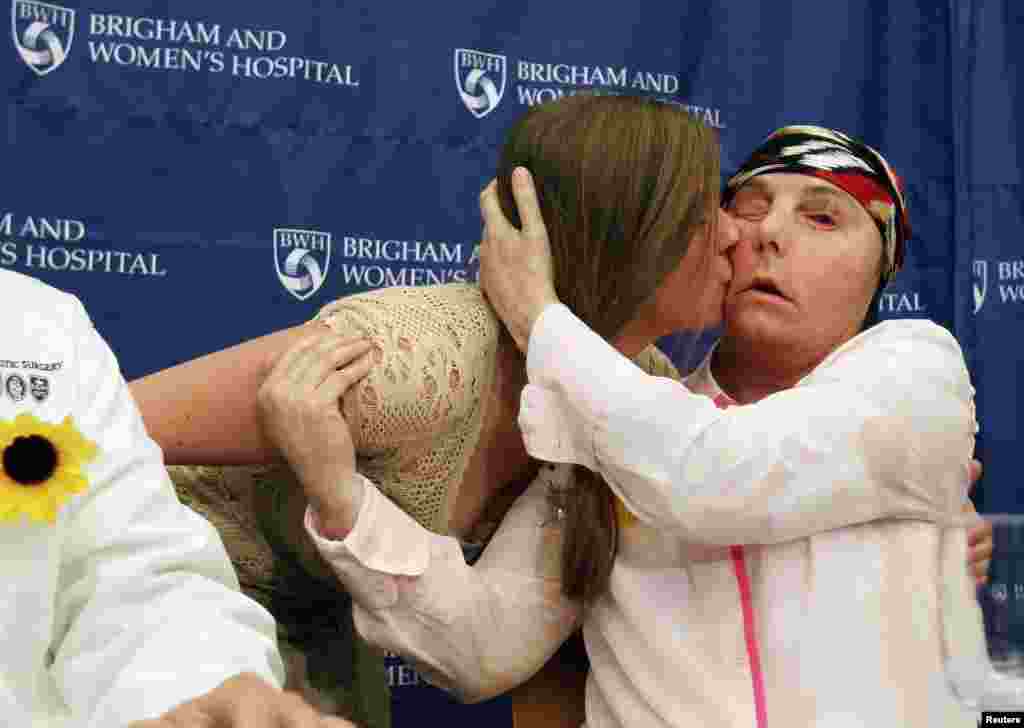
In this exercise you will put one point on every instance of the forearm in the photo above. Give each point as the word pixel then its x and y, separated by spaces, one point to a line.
pixel 204 411
pixel 856 441
pixel 769 477
pixel 475 631
pixel 156 641
pixel 149 613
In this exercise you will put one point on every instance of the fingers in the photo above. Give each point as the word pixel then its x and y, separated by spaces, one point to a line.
pixel 295 384
pixel 981 531
pixel 979 541
pixel 527 203
pixel 981 553
pixel 329 356
pixel 293 712
pixel 974 471
pixel 285 359
pixel 184 716
pixel 245 701
pixel 979 571
pixel 980 550
pixel 979 560
pixel 525 194
pixel 245 706
pixel 261 709
pixel 338 382
pixel 310 362
pixel 496 225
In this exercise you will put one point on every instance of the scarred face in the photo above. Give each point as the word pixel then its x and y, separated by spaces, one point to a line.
pixel 805 266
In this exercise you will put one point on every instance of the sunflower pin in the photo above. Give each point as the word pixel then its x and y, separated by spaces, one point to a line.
pixel 41 467
pixel 624 515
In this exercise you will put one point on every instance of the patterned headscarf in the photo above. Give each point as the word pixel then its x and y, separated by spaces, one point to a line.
pixel 847 163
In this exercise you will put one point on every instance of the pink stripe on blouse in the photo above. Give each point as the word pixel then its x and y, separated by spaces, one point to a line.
pixel 746 600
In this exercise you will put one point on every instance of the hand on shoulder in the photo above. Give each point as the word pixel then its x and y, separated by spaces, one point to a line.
pixel 300 412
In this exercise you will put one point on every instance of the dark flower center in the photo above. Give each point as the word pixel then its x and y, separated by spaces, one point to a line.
pixel 30 460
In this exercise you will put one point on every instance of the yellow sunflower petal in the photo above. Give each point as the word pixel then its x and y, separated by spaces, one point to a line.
pixel 72 480
pixel 84 448
pixel 41 502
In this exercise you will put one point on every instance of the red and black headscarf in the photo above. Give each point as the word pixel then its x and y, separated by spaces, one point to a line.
pixel 847 163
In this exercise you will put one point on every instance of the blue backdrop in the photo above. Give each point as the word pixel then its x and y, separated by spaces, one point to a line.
pixel 204 172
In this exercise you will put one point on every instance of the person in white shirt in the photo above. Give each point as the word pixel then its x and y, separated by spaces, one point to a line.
pixel 117 603
pixel 776 561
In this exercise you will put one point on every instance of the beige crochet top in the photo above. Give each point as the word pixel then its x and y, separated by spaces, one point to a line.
pixel 415 420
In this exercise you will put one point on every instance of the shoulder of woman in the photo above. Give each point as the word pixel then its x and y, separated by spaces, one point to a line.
pixel 434 347
pixel 926 340
pixel 906 356
pixel 455 315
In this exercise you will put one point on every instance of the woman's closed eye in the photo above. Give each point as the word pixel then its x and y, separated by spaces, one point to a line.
pixel 749 209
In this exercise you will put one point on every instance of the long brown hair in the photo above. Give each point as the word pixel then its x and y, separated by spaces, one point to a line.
pixel 624 183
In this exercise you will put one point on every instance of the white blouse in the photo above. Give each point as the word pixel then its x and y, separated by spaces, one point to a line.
pixel 778 565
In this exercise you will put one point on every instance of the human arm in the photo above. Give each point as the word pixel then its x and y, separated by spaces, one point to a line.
pixel 148 611
pixel 476 631
pixel 203 411
pixel 434 352
pixel 883 428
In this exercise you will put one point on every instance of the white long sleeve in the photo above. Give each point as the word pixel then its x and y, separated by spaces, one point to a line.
pixel 475 631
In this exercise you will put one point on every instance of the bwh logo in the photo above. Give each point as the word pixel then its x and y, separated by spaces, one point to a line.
pixel 480 78
pixel 301 258
pixel 42 34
